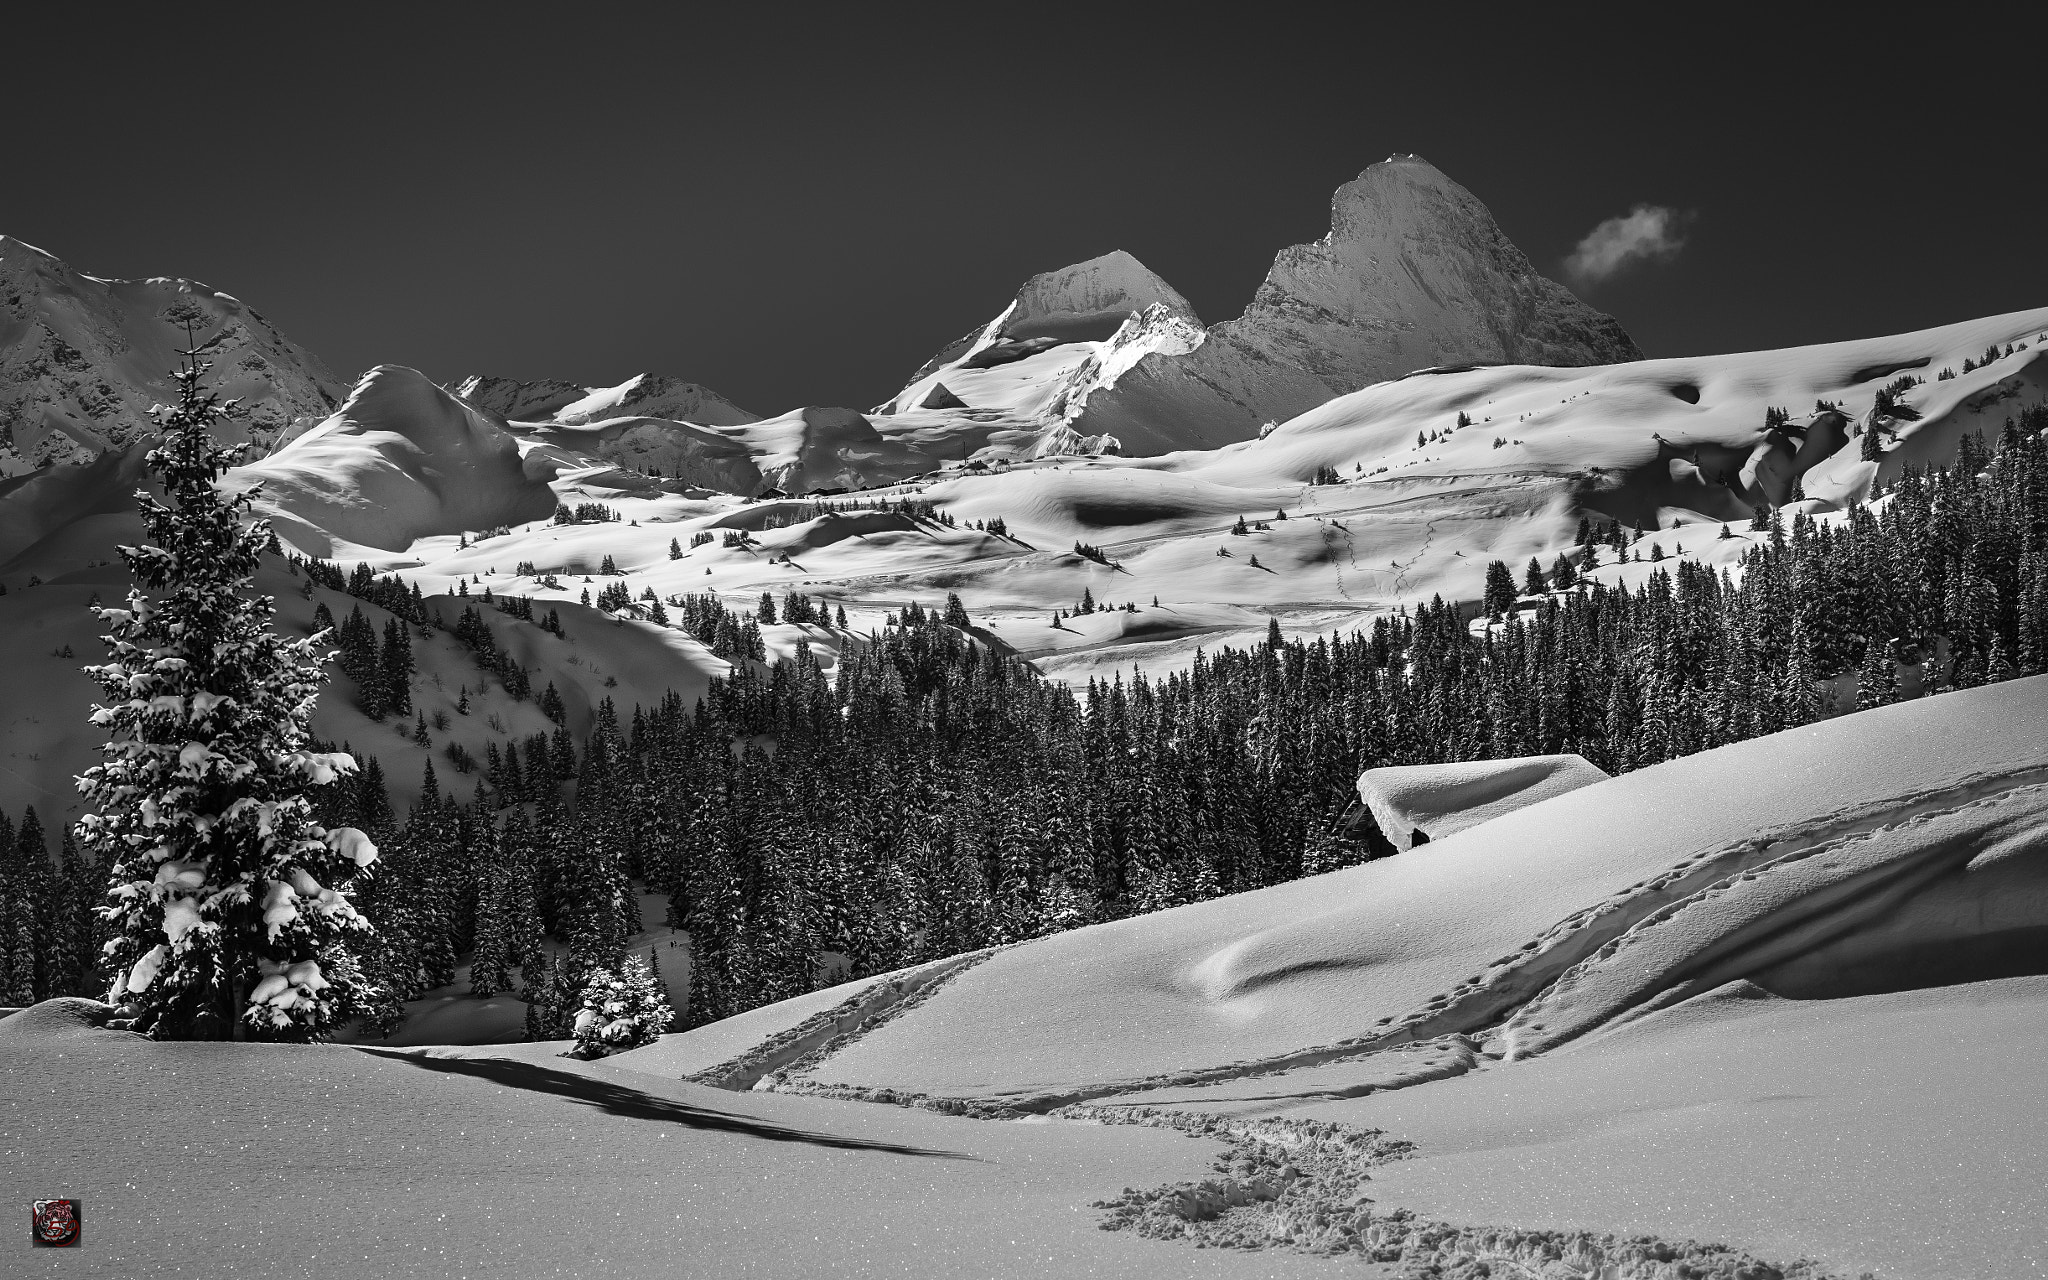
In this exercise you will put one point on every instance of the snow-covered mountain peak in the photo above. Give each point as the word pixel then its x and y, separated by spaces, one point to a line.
pixel 82 359
pixel 1090 300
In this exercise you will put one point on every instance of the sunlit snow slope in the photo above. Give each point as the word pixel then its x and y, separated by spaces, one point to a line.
pixel 1896 848
pixel 1680 445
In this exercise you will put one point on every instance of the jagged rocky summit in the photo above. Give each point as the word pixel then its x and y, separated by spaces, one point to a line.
pixel 1414 274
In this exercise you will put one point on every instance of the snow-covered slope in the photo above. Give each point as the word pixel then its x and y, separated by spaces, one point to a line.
pixel 1887 1134
pixel 486 1164
pixel 47 635
pixel 1064 334
pixel 83 358
pixel 1680 445
pixel 400 461
pixel 1890 849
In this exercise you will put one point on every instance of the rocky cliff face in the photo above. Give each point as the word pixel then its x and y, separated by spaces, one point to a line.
pixel 1414 273
pixel 82 359
pixel 644 395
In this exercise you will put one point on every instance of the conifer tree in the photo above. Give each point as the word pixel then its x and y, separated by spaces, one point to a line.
pixel 1500 588
pixel 228 902
pixel 1877 683
pixel 27 936
pixel 396 662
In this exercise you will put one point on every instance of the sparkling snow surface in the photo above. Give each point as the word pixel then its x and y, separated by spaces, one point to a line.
pixel 1898 1133
pixel 324 1161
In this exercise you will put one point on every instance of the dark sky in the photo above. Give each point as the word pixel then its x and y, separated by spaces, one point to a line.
pixel 795 209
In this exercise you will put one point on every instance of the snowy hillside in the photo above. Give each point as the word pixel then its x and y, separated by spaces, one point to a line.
pixel 1893 848
pixel 410 479
pixel 1585 945
pixel 83 358
pixel 1412 506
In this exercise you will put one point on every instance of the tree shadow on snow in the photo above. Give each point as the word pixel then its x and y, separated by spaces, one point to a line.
pixel 619 1100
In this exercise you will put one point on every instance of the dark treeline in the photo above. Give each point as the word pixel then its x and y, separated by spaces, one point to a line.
pixel 933 796
pixel 49 937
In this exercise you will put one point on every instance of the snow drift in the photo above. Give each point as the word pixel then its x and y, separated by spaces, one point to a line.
pixel 1436 800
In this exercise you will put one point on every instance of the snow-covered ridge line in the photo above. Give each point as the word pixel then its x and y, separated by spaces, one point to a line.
pixel 838 1026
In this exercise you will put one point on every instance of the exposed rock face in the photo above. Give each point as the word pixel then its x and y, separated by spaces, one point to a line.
pixel 1413 274
pixel 82 359
pixel 644 395
pixel 649 396
pixel 518 401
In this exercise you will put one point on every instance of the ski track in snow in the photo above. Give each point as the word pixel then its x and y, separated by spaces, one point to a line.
pixel 825 1032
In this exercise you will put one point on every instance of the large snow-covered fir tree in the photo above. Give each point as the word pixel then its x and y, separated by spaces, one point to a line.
pixel 227 900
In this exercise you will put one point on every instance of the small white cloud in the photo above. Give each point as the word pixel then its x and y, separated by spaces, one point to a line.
pixel 1646 233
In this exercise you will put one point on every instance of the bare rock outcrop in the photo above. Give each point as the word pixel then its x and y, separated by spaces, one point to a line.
pixel 83 358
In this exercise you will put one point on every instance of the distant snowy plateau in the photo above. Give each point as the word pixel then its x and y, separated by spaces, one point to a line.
pixel 1789 995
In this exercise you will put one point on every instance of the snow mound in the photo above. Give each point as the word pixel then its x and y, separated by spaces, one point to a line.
pixel 64 1018
pixel 1822 860
pixel 401 460
pixel 1414 804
